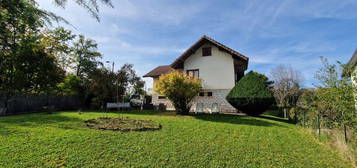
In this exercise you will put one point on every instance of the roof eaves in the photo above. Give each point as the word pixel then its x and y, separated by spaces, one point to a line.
pixel 216 43
pixel 353 60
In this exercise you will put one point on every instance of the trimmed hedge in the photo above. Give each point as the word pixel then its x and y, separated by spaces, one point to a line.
pixel 251 95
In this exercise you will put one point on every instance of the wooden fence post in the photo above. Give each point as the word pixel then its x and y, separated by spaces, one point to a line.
pixel 318 125
pixel 345 132
pixel 304 118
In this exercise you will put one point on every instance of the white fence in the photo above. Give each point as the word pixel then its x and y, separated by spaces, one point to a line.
pixel 118 105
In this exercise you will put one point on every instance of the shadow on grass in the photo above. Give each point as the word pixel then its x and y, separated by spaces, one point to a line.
pixel 65 122
pixel 235 119
pixel 38 120
pixel 275 119
pixel 223 118
pixel 146 112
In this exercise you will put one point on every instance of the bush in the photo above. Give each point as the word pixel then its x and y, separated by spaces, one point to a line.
pixel 251 95
pixel 71 85
pixel 180 89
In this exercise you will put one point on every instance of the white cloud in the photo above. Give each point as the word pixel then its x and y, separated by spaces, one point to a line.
pixel 163 12
pixel 288 52
pixel 149 33
pixel 323 9
pixel 122 9
pixel 114 28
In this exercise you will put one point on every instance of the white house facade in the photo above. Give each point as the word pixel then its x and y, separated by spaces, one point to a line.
pixel 217 65
pixel 353 64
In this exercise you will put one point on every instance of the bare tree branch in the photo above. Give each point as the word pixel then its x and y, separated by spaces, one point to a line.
pixel 286 88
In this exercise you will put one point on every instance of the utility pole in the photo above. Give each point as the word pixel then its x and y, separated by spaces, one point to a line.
pixel 113 67
pixel 116 80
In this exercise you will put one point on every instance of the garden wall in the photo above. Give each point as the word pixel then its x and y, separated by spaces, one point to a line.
pixel 27 103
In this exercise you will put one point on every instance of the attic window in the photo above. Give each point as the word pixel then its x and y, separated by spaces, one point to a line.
pixel 206 51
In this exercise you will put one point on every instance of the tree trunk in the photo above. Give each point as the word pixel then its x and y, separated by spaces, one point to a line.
pixel 182 109
pixel 78 70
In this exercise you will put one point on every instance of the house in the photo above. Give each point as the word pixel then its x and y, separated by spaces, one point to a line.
pixel 219 66
pixel 353 63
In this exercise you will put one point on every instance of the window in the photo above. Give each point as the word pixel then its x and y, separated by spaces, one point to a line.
pixel 193 72
pixel 199 108
pixel 209 94
pixel 215 108
pixel 162 97
pixel 206 51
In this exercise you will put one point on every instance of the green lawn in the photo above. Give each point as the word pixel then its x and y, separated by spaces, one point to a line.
pixel 60 140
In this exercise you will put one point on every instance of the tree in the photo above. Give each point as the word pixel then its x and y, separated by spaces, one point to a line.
pixel 180 89
pixel 251 94
pixel 264 78
pixel 33 60
pixel 59 45
pixel 327 75
pixel 307 106
pixel 126 80
pixel 71 85
pixel 25 66
pixel 41 73
pixel 332 102
pixel 108 86
pixel 335 95
pixel 138 86
pixel 336 105
pixel 102 86
pixel 286 87
pixel 91 5
pixel 85 56
pixel 18 20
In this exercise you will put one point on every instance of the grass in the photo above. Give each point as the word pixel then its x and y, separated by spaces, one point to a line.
pixel 62 140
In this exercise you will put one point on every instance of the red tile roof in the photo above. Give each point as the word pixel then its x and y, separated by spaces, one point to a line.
pixel 159 71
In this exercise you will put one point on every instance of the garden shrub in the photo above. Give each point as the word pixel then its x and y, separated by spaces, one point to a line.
pixel 251 95
pixel 180 89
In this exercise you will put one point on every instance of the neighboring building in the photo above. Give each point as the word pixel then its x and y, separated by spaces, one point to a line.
pixel 353 64
pixel 216 64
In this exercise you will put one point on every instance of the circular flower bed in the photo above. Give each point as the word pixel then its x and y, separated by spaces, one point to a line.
pixel 122 124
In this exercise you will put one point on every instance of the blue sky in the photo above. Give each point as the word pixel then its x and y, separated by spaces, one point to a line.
pixel 148 33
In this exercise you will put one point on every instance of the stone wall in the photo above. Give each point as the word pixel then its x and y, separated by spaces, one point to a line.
pixel 218 97
pixel 156 101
